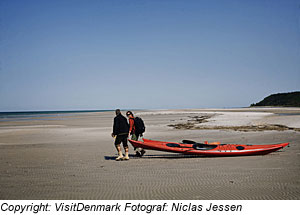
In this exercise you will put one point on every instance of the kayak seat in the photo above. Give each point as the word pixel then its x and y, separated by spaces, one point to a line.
pixel 202 146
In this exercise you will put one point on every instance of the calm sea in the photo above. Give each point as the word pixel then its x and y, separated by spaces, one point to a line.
pixel 41 115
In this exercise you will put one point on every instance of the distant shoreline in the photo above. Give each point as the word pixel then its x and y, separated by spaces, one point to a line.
pixel 42 115
pixel 158 109
pixel 51 112
pixel 66 114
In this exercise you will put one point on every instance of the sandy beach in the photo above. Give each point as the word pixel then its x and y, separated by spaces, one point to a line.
pixel 73 157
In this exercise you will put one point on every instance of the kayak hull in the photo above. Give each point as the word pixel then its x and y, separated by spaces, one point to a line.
pixel 207 149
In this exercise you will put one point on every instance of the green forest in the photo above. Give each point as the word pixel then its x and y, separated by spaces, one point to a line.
pixel 291 99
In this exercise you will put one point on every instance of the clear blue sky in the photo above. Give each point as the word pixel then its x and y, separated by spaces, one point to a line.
pixel 76 54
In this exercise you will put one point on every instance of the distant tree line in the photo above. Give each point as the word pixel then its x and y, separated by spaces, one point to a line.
pixel 291 99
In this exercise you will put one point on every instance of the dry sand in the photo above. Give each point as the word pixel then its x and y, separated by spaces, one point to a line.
pixel 72 157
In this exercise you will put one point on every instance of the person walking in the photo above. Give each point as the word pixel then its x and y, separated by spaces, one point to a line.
pixel 120 133
pixel 135 134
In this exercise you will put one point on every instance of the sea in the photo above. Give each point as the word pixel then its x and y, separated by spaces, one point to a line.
pixel 41 115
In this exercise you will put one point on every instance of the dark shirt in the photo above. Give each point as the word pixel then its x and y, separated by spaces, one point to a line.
pixel 120 125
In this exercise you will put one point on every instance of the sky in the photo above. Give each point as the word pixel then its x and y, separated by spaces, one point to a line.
pixel 146 54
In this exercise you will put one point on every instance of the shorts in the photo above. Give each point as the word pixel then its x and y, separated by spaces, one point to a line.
pixel 121 139
pixel 135 136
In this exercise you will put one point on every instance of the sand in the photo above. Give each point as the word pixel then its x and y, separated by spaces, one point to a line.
pixel 72 157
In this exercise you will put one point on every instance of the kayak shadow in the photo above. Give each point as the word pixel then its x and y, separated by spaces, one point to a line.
pixel 171 156
pixel 161 156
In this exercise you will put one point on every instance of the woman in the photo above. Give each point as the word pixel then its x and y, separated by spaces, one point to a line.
pixel 139 152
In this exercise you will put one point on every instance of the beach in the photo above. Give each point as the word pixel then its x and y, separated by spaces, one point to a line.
pixel 72 156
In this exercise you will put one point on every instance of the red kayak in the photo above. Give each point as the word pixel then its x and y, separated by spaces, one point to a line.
pixel 214 149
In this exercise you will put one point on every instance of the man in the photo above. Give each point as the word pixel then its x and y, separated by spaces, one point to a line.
pixel 139 152
pixel 120 132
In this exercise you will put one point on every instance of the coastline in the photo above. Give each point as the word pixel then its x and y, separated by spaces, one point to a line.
pixel 72 157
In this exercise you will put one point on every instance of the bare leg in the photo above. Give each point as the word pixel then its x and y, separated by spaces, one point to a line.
pixel 126 153
pixel 118 147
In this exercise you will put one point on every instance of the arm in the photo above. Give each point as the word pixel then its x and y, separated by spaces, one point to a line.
pixel 131 125
pixel 115 127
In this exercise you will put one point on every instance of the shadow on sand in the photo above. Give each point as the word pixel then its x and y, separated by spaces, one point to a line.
pixel 161 156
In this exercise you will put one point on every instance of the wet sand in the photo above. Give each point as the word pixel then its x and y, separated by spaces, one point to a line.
pixel 72 157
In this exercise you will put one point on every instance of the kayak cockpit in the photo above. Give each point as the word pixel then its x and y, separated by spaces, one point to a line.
pixel 202 146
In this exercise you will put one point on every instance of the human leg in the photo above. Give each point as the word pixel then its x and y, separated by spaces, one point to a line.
pixel 139 151
pixel 125 145
pixel 118 147
pixel 126 154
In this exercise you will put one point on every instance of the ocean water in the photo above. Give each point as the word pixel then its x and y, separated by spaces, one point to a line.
pixel 288 114
pixel 41 115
